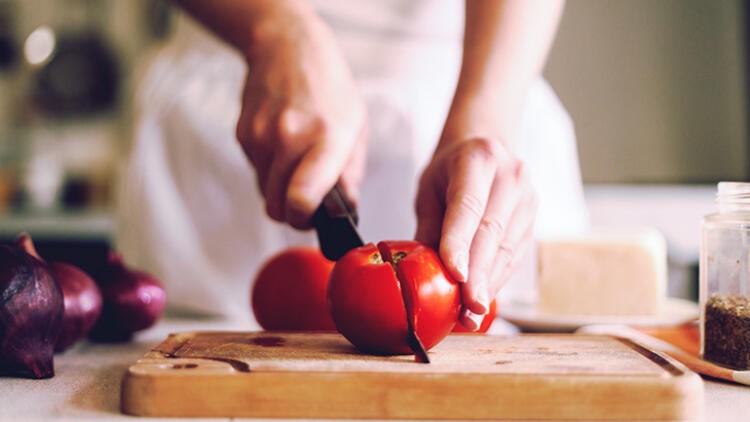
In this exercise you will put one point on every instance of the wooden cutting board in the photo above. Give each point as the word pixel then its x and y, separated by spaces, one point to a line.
pixel 320 375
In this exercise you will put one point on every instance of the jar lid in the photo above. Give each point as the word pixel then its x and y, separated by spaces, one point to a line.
pixel 734 194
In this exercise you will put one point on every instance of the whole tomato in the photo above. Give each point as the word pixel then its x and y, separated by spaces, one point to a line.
pixel 289 292
pixel 373 290
pixel 486 321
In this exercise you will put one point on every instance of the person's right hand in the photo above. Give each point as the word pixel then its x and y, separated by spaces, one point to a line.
pixel 303 123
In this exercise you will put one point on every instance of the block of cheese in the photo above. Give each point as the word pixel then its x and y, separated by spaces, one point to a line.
pixel 612 272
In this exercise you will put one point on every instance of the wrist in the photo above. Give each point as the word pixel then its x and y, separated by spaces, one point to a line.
pixel 276 23
pixel 490 116
pixel 247 25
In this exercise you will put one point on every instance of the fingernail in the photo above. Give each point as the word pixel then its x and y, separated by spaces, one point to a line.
pixel 461 263
pixel 475 319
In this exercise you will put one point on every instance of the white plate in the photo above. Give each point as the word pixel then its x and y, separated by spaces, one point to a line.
pixel 528 318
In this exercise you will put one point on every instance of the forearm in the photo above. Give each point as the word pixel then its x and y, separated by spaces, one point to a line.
pixel 506 43
pixel 244 23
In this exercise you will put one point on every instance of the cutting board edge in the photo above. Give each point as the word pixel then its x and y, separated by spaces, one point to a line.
pixel 139 391
pixel 681 388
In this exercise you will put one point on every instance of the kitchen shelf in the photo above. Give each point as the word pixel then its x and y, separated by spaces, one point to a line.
pixel 84 224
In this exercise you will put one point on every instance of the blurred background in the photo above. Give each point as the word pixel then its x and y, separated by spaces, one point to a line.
pixel 657 91
pixel 66 72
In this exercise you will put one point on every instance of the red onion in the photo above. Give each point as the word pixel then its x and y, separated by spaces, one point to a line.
pixel 82 298
pixel 31 312
pixel 133 301
pixel 83 303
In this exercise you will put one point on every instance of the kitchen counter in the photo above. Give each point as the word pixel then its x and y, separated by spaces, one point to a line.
pixel 87 380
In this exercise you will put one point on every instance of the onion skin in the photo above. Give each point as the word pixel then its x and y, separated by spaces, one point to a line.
pixel 81 297
pixel 133 301
pixel 31 312
pixel 83 303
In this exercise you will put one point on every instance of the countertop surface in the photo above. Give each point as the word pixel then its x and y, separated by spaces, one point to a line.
pixel 87 380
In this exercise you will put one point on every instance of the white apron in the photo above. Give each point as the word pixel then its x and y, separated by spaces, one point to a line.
pixel 189 209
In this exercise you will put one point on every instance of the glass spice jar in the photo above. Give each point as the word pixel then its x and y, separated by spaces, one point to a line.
pixel 725 278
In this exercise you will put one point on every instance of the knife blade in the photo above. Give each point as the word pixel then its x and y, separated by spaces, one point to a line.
pixel 415 344
pixel 335 222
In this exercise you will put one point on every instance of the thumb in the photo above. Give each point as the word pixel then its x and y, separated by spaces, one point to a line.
pixel 317 171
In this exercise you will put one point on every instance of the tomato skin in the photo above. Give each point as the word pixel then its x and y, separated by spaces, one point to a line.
pixel 370 305
pixel 366 304
pixel 486 322
pixel 289 292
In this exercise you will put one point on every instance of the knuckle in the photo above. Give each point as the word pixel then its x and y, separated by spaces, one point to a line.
pixel 506 250
pixel 482 148
pixel 491 226
pixel 470 205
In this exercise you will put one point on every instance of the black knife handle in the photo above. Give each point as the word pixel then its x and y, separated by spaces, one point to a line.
pixel 335 221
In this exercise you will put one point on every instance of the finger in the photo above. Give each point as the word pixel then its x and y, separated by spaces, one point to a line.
pixel 244 132
pixel 295 129
pixel 279 173
pixel 504 199
pixel 470 320
pixel 430 210
pixel 253 136
pixel 252 125
pixel 353 172
pixel 244 122
pixel 315 175
pixel 466 198
pixel 516 244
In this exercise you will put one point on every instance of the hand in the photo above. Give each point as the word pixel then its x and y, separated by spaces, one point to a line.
pixel 476 205
pixel 475 202
pixel 303 123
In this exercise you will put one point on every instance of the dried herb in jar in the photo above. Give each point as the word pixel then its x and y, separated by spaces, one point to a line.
pixel 727 331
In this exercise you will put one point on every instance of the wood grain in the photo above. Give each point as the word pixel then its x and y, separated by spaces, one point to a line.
pixel 320 375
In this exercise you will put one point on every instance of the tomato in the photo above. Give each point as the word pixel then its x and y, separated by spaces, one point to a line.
pixel 289 292
pixel 374 289
pixel 486 321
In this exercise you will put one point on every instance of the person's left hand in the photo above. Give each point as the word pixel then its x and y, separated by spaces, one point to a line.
pixel 476 205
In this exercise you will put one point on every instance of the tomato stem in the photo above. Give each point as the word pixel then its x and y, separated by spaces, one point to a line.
pixel 376 258
pixel 398 256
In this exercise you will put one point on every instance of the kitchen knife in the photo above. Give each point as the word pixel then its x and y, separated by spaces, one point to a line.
pixel 335 222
